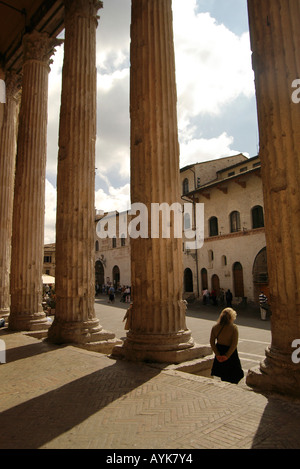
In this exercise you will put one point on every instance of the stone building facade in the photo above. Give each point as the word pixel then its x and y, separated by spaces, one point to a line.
pixel 233 255
pixel 49 259
pixel 112 257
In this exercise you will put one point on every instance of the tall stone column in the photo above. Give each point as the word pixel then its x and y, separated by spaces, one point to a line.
pixel 29 198
pixel 158 329
pixel 75 320
pixel 8 145
pixel 275 38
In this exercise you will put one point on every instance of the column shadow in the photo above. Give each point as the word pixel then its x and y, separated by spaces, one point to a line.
pixel 19 352
pixel 279 427
pixel 32 424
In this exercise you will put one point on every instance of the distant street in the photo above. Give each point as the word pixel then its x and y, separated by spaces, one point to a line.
pixel 254 334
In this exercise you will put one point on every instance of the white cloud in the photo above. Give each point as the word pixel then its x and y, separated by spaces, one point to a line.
pixel 50 213
pixel 54 97
pixel 213 65
pixel 197 150
pixel 213 68
pixel 113 126
pixel 116 199
pixel 107 81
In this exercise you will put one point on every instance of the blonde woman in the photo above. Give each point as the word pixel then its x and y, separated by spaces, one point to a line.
pixel 224 340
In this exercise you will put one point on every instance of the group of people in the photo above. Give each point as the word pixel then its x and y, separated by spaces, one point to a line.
pixel 217 299
pixel 109 290
pixel 49 298
pixel 126 293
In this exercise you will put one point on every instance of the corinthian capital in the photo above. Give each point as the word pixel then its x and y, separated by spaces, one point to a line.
pixel 83 8
pixel 13 84
pixel 39 46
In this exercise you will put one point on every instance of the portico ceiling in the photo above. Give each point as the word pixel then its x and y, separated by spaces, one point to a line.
pixel 20 16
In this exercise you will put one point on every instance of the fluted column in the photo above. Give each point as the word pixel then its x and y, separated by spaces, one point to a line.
pixel 29 198
pixel 8 145
pixel 158 328
pixel 275 38
pixel 75 320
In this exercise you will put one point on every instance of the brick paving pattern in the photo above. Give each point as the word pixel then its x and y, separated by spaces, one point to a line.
pixel 67 397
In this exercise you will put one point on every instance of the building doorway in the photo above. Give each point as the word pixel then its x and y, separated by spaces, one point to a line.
pixel 204 281
pixel 116 276
pixel 238 280
pixel 188 281
pixel 99 276
pixel 215 284
pixel 260 274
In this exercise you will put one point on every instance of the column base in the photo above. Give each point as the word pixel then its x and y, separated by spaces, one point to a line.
pixel 160 348
pixel 28 322
pixel 170 357
pixel 277 374
pixel 87 334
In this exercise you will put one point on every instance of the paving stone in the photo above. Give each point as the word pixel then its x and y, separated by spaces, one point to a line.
pixel 67 397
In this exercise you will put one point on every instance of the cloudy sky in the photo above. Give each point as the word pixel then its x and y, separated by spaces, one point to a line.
pixel 215 88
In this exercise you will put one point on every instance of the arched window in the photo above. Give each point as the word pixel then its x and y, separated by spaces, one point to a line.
pixel 257 217
pixel 187 221
pixel 114 242
pixel 123 242
pixel 185 186
pixel 188 280
pixel 235 222
pixel 224 260
pixel 213 226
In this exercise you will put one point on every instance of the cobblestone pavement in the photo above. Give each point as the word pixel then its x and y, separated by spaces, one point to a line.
pixel 66 397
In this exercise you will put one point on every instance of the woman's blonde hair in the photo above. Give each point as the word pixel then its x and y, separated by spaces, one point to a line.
pixel 227 315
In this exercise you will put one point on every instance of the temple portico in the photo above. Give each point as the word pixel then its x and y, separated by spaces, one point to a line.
pixel 158 330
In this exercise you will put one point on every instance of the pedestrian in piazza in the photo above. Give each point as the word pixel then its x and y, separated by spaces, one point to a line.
pixel 111 293
pixel 228 298
pixel 224 340
pixel 264 306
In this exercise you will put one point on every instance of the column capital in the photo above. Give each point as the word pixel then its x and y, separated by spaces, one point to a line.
pixel 13 84
pixel 39 47
pixel 83 8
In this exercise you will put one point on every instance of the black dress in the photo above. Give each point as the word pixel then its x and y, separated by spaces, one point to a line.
pixel 229 370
